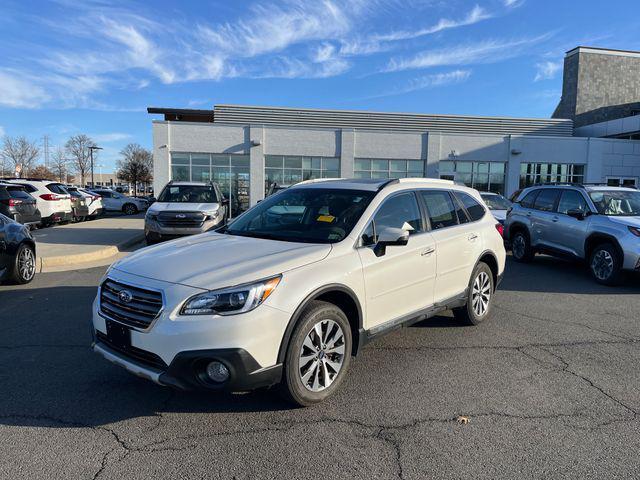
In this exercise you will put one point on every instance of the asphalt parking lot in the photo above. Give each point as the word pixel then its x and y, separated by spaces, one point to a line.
pixel 550 386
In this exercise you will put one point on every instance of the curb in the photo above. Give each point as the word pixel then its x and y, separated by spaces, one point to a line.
pixel 58 262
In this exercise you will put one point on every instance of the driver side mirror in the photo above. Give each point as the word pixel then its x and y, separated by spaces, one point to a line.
pixel 576 213
pixel 225 202
pixel 391 237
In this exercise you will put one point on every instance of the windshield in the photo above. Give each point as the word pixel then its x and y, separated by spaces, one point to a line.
pixel 616 202
pixel 311 215
pixel 496 202
pixel 188 194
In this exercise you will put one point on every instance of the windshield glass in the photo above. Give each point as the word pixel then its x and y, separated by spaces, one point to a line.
pixel 310 215
pixel 616 202
pixel 188 194
pixel 496 202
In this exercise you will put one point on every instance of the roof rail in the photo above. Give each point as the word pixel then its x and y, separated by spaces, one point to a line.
pixel 558 184
pixel 318 180
pixel 426 180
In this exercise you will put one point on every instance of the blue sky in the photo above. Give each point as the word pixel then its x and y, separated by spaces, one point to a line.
pixel 94 66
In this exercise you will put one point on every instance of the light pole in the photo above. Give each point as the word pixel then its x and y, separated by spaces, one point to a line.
pixel 91 149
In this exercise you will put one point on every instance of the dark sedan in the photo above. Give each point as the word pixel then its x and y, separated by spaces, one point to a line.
pixel 17 204
pixel 17 252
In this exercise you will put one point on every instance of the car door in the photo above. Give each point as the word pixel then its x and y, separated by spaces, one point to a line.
pixel 568 233
pixel 457 240
pixel 543 214
pixel 399 282
pixel 5 258
pixel 107 200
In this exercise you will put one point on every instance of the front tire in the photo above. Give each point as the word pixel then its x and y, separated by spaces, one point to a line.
pixel 318 355
pixel 605 264
pixel 24 265
pixel 479 297
pixel 521 247
pixel 130 209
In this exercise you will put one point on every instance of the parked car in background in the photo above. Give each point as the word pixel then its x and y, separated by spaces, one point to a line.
pixel 52 199
pixel 288 298
pixel 275 188
pixel 117 202
pixel 597 224
pixel 498 205
pixel 78 204
pixel 185 208
pixel 17 251
pixel 92 200
pixel 18 205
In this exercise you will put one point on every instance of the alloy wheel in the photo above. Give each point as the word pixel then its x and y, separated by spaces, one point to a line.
pixel 26 264
pixel 481 294
pixel 322 355
pixel 519 246
pixel 602 265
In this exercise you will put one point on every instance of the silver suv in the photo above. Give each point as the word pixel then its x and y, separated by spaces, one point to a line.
pixel 599 224
pixel 185 208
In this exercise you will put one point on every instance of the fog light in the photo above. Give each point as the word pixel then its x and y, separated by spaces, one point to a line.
pixel 217 372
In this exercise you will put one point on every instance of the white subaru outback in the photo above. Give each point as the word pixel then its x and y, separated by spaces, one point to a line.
pixel 293 288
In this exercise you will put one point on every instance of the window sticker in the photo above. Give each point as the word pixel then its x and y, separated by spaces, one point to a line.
pixel 326 218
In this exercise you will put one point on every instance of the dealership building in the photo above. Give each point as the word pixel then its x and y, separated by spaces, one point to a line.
pixel 593 137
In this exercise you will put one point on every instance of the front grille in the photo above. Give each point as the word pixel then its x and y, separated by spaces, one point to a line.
pixel 139 311
pixel 133 353
pixel 181 219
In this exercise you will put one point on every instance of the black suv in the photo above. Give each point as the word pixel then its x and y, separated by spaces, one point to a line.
pixel 18 205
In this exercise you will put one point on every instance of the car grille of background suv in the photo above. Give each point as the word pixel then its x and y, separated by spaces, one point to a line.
pixel 139 311
pixel 181 219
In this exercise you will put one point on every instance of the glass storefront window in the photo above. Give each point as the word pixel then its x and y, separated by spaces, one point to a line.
pixel 534 173
pixel 289 169
pixel 483 176
pixel 230 171
pixel 387 168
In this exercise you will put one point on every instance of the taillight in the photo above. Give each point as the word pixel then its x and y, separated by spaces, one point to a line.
pixel 51 197
pixel 500 229
pixel 12 202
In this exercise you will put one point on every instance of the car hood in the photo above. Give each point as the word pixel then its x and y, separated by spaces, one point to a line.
pixel 158 207
pixel 630 221
pixel 499 215
pixel 211 260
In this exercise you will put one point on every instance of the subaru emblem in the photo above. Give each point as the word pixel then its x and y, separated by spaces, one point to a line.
pixel 125 296
pixel 181 215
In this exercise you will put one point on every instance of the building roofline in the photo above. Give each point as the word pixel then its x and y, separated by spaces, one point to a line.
pixel 602 51
pixel 365 112
pixel 179 111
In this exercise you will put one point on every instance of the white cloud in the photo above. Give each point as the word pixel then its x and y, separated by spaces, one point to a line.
pixel 2 132
pixel 488 51
pixel 429 81
pixel 110 137
pixel 513 3
pixel 547 70
pixel 477 14
pixel 20 92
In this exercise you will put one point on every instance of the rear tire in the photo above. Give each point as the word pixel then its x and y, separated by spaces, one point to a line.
pixel 521 247
pixel 24 265
pixel 605 264
pixel 479 297
pixel 318 354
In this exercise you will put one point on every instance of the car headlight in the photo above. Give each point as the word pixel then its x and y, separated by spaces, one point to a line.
pixel 151 215
pixel 232 300
pixel 212 214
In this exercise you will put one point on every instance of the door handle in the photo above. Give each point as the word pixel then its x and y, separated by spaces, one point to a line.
pixel 473 237
pixel 428 251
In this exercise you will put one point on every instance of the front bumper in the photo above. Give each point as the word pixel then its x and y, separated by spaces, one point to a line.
pixel 155 229
pixel 174 349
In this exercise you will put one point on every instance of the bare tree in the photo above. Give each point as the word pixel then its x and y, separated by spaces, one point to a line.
pixel 77 148
pixel 59 165
pixel 135 166
pixel 42 172
pixel 19 153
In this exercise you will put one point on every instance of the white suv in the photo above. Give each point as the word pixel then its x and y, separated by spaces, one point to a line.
pixel 293 288
pixel 52 199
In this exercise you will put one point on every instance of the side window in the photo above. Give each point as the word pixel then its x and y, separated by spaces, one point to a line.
pixel 546 200
pixel 442 212
pixel 105 194
pixel 527 201
pixel 571 200
pixel 476 211
pixel 394 213
pixel 462 215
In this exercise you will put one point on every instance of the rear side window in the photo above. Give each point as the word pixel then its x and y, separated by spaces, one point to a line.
pixel 442 212
pixel 105 194
pixel 529 199
pixel 476 211
pixel 4 194
pixel 571 200
pixel 28 188
pixel 546 200
pixel 57 188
